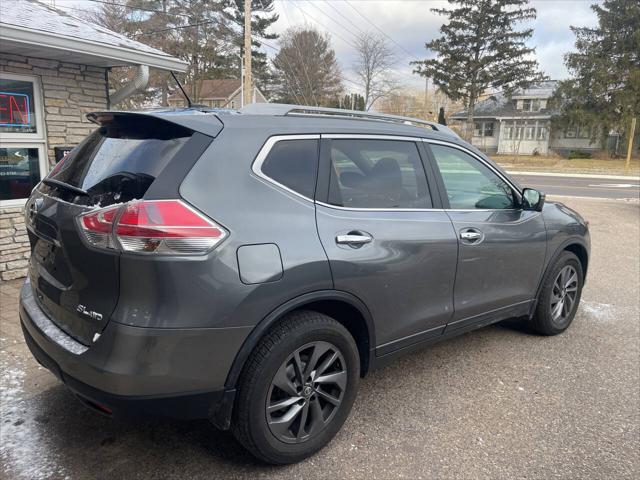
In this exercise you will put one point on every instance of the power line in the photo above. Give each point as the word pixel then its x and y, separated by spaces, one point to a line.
pixel 381 30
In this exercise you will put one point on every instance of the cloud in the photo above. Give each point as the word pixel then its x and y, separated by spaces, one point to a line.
pixel 411 23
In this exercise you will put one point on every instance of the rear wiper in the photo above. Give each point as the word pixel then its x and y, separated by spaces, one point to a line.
pixel 56 183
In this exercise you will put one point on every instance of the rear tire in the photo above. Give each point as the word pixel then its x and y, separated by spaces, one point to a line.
pixel 309 364
pixel 560 296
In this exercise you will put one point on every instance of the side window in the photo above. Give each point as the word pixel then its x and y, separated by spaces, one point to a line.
pixel 377 174
pixel 294 164
pixel 469 183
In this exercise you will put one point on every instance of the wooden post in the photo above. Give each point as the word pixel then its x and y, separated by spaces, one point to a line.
pixel 632 132
pixel 248 81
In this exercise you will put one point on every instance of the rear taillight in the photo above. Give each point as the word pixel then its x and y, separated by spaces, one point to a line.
pixel 97 227
pixel 167 227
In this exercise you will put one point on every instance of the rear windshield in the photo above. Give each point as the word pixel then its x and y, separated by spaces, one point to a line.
pixel 118 162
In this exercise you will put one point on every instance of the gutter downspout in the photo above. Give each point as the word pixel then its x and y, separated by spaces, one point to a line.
pixel 137 85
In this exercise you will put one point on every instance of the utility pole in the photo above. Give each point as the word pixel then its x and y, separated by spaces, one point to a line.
pixel 632 132
pixel 247 80
pixel 426 98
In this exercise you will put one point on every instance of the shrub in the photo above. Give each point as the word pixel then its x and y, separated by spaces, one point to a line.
pixel 579 154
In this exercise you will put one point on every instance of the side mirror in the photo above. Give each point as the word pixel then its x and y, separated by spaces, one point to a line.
pixel 532 199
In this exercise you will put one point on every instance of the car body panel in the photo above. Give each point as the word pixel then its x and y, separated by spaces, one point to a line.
pixel 405 275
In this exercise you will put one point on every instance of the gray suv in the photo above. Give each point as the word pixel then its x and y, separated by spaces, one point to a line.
pixel 250 267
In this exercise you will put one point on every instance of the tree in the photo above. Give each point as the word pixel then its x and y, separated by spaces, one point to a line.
pixel 263 16
pixel 374 59
pixel 353 101
pixel 481 48
pixel 306 68
pixel 442 120
pixel 197 31
pixel 604 91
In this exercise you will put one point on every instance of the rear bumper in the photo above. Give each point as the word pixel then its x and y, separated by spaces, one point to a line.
pixel 178 373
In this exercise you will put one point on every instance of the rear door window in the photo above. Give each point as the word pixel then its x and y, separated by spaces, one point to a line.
pixel 294 165
pixel 377 174
pixel 118 162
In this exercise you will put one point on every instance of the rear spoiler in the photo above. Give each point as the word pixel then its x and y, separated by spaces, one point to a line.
pixel 207 123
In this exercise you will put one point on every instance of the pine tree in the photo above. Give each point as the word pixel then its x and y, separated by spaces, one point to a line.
pixel 263 16
pixel 604 90
pixel 481 48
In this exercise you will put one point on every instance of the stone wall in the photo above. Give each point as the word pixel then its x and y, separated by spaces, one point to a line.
pixel 69 92
pixel 14 244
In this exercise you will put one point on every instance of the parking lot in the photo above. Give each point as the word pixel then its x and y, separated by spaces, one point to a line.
pixel 498 403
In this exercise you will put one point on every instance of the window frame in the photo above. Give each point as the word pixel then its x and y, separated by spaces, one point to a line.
pixel 37 140
pixel 435 183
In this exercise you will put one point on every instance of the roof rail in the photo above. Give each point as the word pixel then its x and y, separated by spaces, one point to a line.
pixel 285 109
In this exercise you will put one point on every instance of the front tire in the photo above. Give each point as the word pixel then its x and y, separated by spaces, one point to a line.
pixel 560 296
pixel 297 388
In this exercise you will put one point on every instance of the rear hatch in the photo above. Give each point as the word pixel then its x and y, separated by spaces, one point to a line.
pixel 75 283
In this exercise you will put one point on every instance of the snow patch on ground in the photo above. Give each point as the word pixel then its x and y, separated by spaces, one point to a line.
pixel 24 452
pixel 603 312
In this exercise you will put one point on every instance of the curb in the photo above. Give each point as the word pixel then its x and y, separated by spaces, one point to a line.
pixel 576 175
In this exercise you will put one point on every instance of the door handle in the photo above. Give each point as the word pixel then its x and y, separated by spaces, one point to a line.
pixel 353 239
pixel 471 236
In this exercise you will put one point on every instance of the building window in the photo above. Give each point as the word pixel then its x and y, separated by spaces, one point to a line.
pixel 584 131
pixel 531 104
pixel 23 159
pixel 483 129
pixel 508 133
pixel 543 131
pixel 529 132
pixel 17 107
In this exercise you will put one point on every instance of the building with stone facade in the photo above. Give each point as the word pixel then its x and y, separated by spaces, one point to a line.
pixel 53 71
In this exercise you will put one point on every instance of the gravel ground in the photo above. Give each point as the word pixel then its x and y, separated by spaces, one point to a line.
pixel 498 403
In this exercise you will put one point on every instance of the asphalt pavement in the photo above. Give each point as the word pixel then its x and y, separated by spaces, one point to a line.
pixel 582 186
pixel 497 403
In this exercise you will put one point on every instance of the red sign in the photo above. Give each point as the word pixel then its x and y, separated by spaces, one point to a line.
pixel 14 110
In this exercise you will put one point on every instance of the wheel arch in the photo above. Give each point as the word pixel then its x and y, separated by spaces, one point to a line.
pixel 574 245
pixel 343 307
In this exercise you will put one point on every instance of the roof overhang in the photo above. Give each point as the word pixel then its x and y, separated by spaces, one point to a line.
pixel 35 43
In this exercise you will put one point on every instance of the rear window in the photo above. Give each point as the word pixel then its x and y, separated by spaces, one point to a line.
pixel 119 161
pixel 294 164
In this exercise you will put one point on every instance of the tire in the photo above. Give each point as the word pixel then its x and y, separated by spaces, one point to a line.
pixel 547 319
pixel 265 429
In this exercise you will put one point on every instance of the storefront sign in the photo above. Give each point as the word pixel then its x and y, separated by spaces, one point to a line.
pixel 14 110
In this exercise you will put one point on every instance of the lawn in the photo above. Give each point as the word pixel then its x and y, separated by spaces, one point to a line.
pixel 614 166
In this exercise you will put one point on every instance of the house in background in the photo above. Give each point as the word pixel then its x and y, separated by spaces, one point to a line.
pixel 221 93
pixel 54 69
pixel 521 124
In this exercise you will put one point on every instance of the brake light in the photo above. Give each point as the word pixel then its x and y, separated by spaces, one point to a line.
pixel 97 226
pixel 152 226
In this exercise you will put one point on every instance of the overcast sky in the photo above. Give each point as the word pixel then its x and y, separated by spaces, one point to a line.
pixel 411 23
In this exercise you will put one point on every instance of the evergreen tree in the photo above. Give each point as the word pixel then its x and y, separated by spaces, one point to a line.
pixel 481 48
pixel 262 17
pixel 442 120
pixel 358 102
pixel 604 90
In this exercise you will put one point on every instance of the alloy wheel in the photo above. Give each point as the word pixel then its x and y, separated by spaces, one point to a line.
pixel 564 293
pixel 306 392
